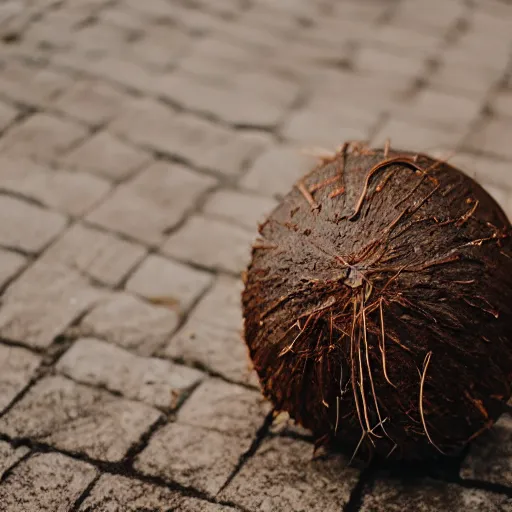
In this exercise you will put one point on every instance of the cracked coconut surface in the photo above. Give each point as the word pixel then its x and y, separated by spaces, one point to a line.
pixel 140 143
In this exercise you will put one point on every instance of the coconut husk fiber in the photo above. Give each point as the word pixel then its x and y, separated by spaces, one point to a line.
pixel 378 305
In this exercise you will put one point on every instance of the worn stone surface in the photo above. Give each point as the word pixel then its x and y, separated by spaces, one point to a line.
pixel 283 476
pixel 228 408
pixel 44 302
pixel 17 366
pixel 56 482
pixel 41 135
pixel 10 264
pixel 199 142
pixel 193 456
pixel 113 493
pixel 131 323
pixel 106 155
pixel 78 419
pixel 276 170
pixel 243 209
pixel 164 281
pixel 431 496
pixel 91 101
pixel 219 349
pixel 9 456
pixel 229 245
pixel 102 256
pixel 30 228
pixel 215 341
pixel 154 381
pixel 151 202
pixel 70 193
pixel 140 145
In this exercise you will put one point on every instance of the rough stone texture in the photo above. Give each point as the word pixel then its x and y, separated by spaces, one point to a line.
pixel 229 245
pixel 17 366
pixel 216 426
pixel 35 315
pixel 103 256
pixel 217 348
pixel 56 482
pixel 325 123
pixel 193 456
pixel 29 84
pixel 7 115
pixel 113 493
pixel 212 406
pixel 78 419
pixel 70 193
pixel 9 456
pixel 214 341
pixel 491 138
pixel 41 135
pixel 431 496
pixel 131 323
pixel 153 201
pixel 154 381
pixel 490 457
pixel 277 169
pixel 106 155
pixel 30 228
pixel 92 102
pixel 10 264
pixel 169 128
pixel 283 476
pixel 168 282
pixel 199 142
pixel 243 209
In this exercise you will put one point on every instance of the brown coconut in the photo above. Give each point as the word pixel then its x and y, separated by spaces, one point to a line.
pixel 378 305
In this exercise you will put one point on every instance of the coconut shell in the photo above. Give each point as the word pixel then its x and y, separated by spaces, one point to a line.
pixel 378 305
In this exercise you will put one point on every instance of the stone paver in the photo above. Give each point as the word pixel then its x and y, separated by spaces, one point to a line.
pixel 162 280
pixel 430 496
pixel 78 419
pixel 154 381
pixel 152 202
pixel 229 245
pixel 131 323
pixel 9 456
pixel 56 482
pixel 140 145
pixel 36 315
pixel 17 367
pixel 103 256
pixel 197 141
pixel 246 210
pixel 215 426
pixel 92 102
pixel 70 193
pixel 211 340
pixel 283 476
pixel 7 115
pixel 10 264
pixel 30 228
pixel 276 170
pixel 31 84
pixel 106 155
pixel 113 493
pixel 42 136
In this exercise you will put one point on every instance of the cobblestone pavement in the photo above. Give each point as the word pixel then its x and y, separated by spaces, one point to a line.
pixel 140 143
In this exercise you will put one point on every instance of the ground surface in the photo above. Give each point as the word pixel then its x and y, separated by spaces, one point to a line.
pixel 141 141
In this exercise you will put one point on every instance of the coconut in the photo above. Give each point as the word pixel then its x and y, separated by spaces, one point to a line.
pixel 378 305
